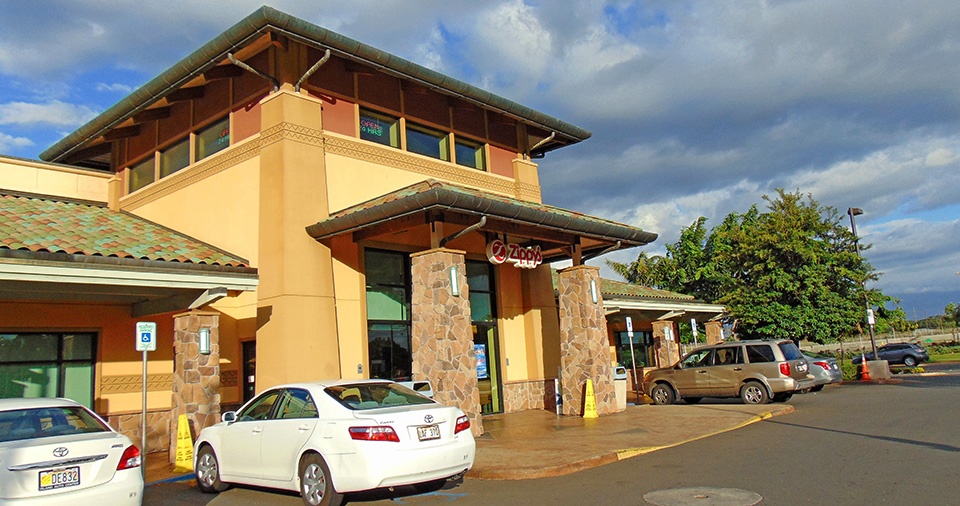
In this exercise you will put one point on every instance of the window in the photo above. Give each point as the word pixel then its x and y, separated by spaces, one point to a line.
pixel 34 364
pixel 214 138
pixel 758 353
pixel 642 348
pixel 700 358
pixel 379 128
pixel 729 355
pixel 175 158
pixel 388 314
pixel 297 403
pixel 142 174
pixel 469 154
pixel 261 408
pixel 479 276
pixel 428 142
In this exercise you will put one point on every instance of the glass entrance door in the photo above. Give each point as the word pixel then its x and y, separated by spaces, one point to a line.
pixel 488 368
pixel 249 370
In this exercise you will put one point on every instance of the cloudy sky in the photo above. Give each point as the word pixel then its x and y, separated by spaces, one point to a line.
pixel 696 107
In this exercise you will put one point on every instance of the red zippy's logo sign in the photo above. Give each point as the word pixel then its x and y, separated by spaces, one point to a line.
pixel 499 252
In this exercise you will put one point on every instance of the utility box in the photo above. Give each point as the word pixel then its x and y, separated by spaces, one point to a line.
pixel 620 386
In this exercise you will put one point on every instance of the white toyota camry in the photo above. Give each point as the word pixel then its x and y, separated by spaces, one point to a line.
pixel 325 439
pixel 55 452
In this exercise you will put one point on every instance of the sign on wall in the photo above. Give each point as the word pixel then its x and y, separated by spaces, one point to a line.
pixel 480 351
pixel 524 257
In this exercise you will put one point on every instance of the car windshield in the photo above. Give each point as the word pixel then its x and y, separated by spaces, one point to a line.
pixel 361 396
pixel 33 423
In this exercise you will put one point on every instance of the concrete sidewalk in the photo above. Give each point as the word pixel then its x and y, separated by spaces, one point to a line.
pixel 537 444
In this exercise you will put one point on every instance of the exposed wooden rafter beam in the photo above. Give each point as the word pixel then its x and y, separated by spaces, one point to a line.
pixel 186 94
pixel 122 133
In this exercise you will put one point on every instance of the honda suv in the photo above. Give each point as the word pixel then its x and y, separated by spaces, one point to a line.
pixel 757 371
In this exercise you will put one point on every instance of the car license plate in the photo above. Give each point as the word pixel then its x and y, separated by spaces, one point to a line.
pixel 428 432
pixel 60 478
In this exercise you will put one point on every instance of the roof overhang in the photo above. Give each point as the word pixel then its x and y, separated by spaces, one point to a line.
pixel 665 309
pixel 557 231
pixel 265 21
pixel 148 287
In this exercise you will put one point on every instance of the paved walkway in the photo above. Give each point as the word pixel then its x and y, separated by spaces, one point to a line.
pixel 536 444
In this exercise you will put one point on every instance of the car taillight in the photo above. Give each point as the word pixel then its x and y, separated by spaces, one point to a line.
pixel 785 369
pixel 825 366
pixel 379 433
pixel 130 458
pixel 463 423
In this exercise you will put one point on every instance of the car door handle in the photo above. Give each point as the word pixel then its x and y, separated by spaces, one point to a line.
pixel 738 368
pixel 303 428
pixel 256 430
pixel 702 371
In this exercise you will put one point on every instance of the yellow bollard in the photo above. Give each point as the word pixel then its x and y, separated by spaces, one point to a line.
pixel 590 402
pixel 184 460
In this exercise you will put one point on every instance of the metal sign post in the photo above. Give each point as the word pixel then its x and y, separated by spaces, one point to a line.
pixel 146 339
pixel 693 326
pixel 633 358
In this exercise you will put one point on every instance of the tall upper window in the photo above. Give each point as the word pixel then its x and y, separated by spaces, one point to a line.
pixel 213 138
pixel 480 281
pixel 379 128
pixel 469 154
pixel 428 142
pixel 142 174
pixel 175 158
pixel 41 364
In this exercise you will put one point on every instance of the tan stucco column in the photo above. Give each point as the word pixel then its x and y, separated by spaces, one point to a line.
pixel 668 350
pixel 196 377
pixel 296 314
pixel 714 332
pixel 584 348
pixel 441 334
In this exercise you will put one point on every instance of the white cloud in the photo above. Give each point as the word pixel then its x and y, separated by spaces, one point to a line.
pixel 940 157
pixel 8 142
pixel 114 88
pixel 55 113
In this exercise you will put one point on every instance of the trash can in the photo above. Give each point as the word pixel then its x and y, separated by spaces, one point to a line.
pixel 620 386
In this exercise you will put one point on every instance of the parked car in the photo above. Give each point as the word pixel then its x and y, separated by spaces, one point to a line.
pixel 757 371
pixel 328 438
pixel 825 370
pixel 907 354
pixel 55 452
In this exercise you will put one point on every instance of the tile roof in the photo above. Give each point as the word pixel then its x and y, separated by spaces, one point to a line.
pixel 611 289
pixel 40 223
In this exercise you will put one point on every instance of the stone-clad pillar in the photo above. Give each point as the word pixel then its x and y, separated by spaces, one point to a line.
pixel 714 332
pixel 668 347
pixel 584 347
pixel 196 377
pixel 441 334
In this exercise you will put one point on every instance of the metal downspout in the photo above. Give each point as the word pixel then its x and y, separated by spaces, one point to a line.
pixel 311 70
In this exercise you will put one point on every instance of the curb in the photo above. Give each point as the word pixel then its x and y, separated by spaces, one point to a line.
pixel 611 457
pixel 172 479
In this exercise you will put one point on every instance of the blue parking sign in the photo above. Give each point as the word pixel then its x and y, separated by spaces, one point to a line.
pixel 146 336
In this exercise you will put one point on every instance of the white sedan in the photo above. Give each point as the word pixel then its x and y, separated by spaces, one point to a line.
pixel 55 452
pixel 325 439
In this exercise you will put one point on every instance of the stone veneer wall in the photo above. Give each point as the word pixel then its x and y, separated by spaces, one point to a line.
pixel 714 332
pixel 668 351
pixel 158 429
pixel 441 334
pixel 584 347
pixel 196 377
pixel 529 394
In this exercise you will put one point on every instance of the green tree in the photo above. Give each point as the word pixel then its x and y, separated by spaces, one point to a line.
pixel 791 271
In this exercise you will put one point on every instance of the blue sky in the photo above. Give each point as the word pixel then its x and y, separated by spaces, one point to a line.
pixel 697 108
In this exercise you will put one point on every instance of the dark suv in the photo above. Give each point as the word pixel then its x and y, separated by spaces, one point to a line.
pixel 901 353
pixel 756 371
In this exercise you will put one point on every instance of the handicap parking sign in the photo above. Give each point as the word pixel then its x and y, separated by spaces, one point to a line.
pixel 147 333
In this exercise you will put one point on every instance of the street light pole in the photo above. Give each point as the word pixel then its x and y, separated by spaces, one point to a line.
pixel 856 211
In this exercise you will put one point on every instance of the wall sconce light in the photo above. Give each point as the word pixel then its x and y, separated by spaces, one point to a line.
pixel 594 296
pixel 204 341
pixel 454 280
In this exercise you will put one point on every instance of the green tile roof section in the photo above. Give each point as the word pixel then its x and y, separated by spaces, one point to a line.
pixel 613 289
pixel 47 224
pixel 267 19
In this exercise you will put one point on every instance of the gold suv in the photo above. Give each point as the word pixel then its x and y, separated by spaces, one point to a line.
pixel 756 371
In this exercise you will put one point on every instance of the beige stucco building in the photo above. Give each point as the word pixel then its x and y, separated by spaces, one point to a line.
pixel 288 204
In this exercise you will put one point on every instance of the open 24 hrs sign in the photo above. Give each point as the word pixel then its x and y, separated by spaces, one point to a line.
pixel 528 257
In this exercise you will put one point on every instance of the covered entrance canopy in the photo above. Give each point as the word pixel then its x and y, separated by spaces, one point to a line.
pixel 561 234
pixel 60 250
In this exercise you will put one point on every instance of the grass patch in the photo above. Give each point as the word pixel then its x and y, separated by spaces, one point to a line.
pixel 946 357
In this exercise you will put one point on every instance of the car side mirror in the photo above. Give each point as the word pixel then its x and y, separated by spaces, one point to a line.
pixel 229 417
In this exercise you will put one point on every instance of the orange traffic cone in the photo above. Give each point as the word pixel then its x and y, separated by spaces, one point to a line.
pixel 864 369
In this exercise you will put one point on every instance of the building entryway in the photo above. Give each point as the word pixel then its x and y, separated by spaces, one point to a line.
pixel 486 346
pixel 249 370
